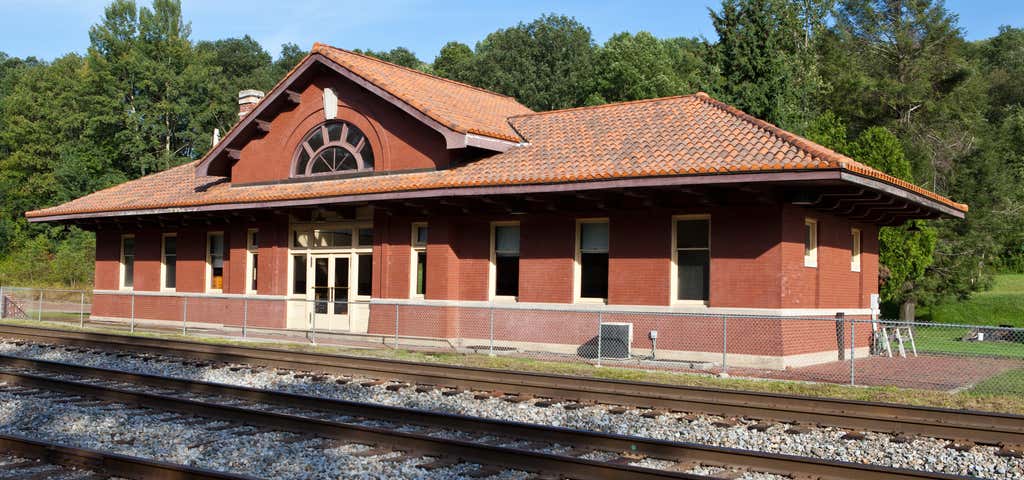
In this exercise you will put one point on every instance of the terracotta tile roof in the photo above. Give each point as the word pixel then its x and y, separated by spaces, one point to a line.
pixel 458 106
pixel 674 136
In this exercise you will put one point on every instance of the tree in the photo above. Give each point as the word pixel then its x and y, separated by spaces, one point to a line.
pixel 148 88
pixel 399 56
pixel 634 67
pixel 291 55
pixel 454 61
pixel 766 64
pixel 905 252
pixel 546 64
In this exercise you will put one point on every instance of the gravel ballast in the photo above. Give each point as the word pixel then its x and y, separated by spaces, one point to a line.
pixel 920 453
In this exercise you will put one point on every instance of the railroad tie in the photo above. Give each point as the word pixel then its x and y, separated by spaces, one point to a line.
pixel 452 392
pixel 373 383
pixel 373 452
pixel 618 410
pixel 960 445
pixel 1012 451
pixel 653 414
pixel 853 435
pixel 900 437
pixel 42 475
pixel 796 429
pixel 725 423
pixel 760 427
pixel 485 471
pixel 440 462
pixel 543 403
pixel 425 388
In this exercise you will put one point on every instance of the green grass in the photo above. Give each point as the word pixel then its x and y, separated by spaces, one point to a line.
pixel 939 339
pixel 1012 380
pixel 1002 305
pixel 992 395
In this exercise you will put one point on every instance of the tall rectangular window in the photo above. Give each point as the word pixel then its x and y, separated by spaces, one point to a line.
pixel 505 260
pixel 810 242
pixel 215 261
pixel 127 261
pixel 364 274
pixel 252 260
pixel 855 250
pixel 299 274
pixel 419 259
pixel 692 258
pixel 170 261
pixel 592 257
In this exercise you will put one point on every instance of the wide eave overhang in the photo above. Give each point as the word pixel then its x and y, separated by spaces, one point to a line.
pixel 836 191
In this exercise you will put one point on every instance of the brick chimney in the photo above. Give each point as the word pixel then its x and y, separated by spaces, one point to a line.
pixel 247 101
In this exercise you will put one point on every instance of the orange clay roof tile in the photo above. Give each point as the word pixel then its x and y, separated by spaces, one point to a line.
pixel 458 106
pixel 684 135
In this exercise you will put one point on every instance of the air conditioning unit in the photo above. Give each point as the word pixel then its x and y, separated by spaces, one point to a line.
pixel 616 339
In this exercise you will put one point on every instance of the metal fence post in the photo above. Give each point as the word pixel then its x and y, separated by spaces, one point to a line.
pixel 600 333
pixel 853 342
pixel 81 309
pixel 725 343
pixel 39 314
pixel 313 324
pixel 396 327
pixel 132 327
pixel 3 303
pixel 184 316
pixel 245 315
pixel 490 348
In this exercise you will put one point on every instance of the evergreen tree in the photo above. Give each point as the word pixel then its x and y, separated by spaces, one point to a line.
pixel 765 60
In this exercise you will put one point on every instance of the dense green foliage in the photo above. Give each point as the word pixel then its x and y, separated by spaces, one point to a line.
pixel 891 83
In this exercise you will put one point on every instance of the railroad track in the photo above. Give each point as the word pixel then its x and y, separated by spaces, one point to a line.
pixel 448 438
pixel 56 461
pixel 958 426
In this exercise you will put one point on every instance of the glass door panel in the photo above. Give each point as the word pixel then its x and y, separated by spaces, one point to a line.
pixel 321 287
pixel 340 285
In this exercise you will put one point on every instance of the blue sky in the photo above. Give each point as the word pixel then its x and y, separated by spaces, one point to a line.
pixel 50 28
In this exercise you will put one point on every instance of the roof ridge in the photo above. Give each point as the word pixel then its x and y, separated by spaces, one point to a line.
pixel 318 45
pixel 605 105
pixel 809 146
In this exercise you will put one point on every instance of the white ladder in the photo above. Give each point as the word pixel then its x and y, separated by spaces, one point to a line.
pixel 899 333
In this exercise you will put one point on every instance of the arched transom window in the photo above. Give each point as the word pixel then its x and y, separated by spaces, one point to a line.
pixel 333 147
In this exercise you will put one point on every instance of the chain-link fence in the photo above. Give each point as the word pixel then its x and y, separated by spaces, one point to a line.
pixel 842 348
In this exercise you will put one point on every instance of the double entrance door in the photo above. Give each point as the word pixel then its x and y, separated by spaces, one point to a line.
pixel 332 295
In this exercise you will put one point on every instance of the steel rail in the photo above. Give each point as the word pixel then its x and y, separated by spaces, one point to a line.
pixel 960 425
pixel 112 464
pixel 660 449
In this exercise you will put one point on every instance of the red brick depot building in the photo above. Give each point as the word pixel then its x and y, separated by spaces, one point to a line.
pixel 361 184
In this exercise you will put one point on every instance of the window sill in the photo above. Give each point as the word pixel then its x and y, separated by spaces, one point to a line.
pixel 690 303
pixel 504 299
pixel 592 301
pixel 215 291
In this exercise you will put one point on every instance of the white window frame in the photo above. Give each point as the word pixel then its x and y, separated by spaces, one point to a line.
pixel 122 266
pixel 209 262
pixel 492 276
pixel 577 267
pixel 856 249
pixel 674 279
pixel 250 253
pixel 413 259
pixel 163 263
pixel 811 258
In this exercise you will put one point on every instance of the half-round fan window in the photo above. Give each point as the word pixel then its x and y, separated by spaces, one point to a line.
pixel 335 147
